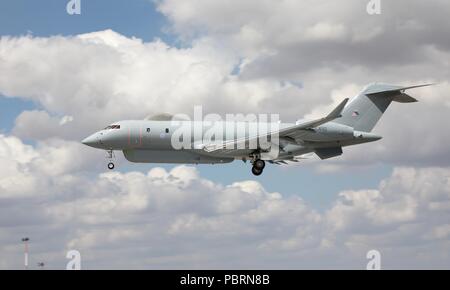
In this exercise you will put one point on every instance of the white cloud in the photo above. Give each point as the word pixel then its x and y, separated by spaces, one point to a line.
pixel 111 77
pixel 326 31
pixel 26 170
pixel 246 65
pixel 176 218
pixel 108 77
pixel 65 119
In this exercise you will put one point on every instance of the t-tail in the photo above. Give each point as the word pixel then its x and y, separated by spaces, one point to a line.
pixel 363 111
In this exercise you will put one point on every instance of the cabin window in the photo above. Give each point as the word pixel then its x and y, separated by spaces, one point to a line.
pixel 167 130
pixel 113 127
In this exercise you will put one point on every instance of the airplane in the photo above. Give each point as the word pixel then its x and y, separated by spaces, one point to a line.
pixel 152 140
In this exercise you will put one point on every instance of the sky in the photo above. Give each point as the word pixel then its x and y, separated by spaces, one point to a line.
pixel 62 77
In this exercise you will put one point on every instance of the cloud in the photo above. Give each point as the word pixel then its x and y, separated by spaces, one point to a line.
pixel 267 60
pixel 282 27
pixel 325 31
pixel 290 57
pixel 178 219
pixel 39 125
pixel 28 170
pixel 109 77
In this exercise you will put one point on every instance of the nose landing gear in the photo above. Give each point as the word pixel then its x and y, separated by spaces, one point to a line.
pixel 110 156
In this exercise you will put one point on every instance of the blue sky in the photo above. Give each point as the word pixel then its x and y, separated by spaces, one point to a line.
pixel 140 19
pixel 49 17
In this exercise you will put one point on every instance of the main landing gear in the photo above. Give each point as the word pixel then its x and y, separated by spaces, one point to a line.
pixel 110 156
pixel 258 167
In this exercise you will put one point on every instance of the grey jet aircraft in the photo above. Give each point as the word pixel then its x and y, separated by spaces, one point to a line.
pixel 152 140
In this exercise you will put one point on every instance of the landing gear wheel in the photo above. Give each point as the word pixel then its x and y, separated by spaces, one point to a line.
pixel 259 164
pixel 256 171
pixel 110 157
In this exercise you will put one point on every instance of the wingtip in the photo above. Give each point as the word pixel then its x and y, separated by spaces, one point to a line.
pixel 337 112
pixel 343 103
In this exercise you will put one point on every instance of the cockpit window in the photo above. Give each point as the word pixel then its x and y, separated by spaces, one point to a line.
pixel 113 127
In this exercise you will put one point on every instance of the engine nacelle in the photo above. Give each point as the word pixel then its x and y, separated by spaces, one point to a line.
pixel 330 132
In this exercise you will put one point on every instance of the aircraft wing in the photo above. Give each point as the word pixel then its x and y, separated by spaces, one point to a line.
pixel 291 131
pixel 291 159
pixel 336 113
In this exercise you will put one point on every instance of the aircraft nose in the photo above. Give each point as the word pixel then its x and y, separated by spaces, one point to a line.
pixel 91 140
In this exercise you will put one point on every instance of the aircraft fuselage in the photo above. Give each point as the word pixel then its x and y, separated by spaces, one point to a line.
pixel 149 141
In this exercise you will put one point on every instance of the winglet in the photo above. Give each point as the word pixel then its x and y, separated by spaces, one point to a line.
pixel 337 112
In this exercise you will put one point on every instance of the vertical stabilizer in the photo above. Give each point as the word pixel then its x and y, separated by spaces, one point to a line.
pixel 363 111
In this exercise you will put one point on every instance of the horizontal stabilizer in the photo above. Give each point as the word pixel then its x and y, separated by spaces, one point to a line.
pixel 382 89
pixel 395 92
